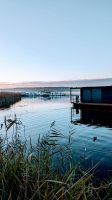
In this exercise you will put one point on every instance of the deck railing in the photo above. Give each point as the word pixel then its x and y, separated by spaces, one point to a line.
pixel 75 98
pixel 74 95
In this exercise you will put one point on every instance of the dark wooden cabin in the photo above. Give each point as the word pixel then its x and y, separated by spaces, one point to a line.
pixel 99 97
pixel 96 94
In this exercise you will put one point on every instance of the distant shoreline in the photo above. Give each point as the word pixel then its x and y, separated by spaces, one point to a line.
pixel 64 84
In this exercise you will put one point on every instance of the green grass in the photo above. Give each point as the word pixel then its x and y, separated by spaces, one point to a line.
pixel 44 171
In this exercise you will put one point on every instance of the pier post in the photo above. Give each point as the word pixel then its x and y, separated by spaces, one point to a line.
pixel 70 95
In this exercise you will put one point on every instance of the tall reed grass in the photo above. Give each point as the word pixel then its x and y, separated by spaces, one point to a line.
pixel 44 171
pixel 9 98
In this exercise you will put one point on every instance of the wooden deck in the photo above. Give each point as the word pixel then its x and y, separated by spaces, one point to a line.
pixel 98 106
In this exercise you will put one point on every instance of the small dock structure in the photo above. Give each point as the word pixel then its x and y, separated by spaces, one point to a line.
pixel 47 93
pixel 97 97
pixel 43 93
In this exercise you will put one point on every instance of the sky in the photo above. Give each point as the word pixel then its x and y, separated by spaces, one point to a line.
pixel 54 40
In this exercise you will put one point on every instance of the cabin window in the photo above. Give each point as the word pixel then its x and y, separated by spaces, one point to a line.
pixel 86 95
pixel 96 95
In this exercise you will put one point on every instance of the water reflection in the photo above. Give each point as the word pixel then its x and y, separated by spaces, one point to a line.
pixel 90 143
pixel 46 98
pixel 91 117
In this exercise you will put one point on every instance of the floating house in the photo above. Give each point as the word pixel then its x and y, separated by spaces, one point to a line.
pixel 99 97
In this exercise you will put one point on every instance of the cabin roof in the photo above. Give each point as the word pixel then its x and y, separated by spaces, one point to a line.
pixel 108 86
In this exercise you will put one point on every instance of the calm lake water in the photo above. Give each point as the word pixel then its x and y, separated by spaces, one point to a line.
pixel 37 114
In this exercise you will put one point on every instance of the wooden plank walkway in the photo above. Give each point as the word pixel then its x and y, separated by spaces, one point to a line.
pixel 98 106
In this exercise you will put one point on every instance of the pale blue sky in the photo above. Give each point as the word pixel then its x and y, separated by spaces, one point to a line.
pixel 49 40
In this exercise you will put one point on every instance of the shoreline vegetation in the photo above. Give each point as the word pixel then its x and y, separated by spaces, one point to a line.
pixel 44 171
pixel 9 98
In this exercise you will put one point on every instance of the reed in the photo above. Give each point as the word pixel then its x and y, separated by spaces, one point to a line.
pixel 9 98
pixel 44 171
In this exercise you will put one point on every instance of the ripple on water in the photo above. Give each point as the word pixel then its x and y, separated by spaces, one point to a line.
pixel 37 117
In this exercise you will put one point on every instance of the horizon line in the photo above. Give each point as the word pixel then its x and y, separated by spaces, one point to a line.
pixel 55 81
